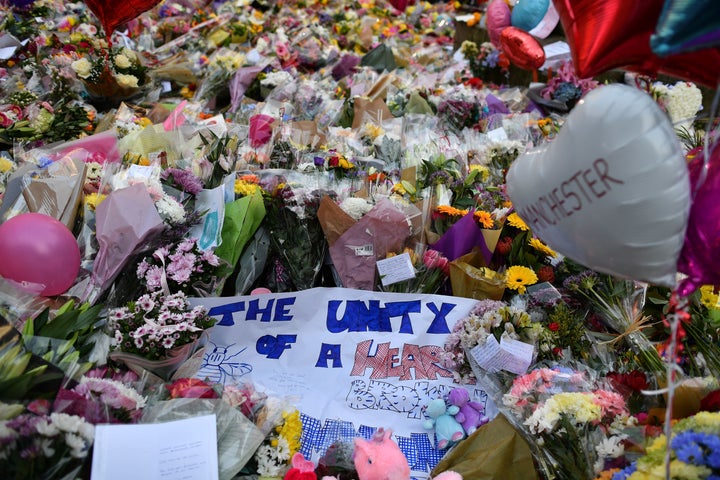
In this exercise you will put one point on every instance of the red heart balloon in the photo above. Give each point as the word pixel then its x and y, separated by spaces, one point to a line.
pixel 113 13
pixel 521 48
pixel 608 34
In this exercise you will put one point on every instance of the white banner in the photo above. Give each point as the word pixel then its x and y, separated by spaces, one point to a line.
pixel 350 360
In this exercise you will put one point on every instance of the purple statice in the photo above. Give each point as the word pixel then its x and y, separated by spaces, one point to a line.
pixel 184 180
pixel 580 281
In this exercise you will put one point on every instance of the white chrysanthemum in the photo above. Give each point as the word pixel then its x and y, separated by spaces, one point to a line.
pixel 82 67
pixel 46 428
pixel 130 81
pixel 65 422
pixel 170 209
pixel 356 207
pixel 78 447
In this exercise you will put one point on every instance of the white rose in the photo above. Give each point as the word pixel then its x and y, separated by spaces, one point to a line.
pixel 127 80
pixel 129 54
pixel 121 61
pixel 82 67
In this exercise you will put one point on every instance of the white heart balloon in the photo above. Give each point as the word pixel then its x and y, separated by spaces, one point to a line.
pixel 611 191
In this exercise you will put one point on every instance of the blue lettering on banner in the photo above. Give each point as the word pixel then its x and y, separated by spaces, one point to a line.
pixel 318 437
pixel 329 352
pixel 280 312
pixel 273 346
pixel 360 316
pixel 226 311
pixel 439 323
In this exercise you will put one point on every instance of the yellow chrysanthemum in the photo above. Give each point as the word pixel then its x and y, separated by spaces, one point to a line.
pixel 708 297
pixel 542 248
pixel 291 430
pixel 515 221
pixel 345 164
pixel 484 219
pixel 245 189
pixel 484 172
pixel 5 165
pixel 92 200
pixel 518 277
pixel 449 211
pixel 399 189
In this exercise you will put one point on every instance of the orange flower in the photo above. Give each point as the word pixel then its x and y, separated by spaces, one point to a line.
pixel 484 219
pixel 449 211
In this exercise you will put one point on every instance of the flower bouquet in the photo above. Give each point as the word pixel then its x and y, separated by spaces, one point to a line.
pixel 180 267
pixel 157 333
pixel 575 424
pixel 619 305
pixel 111 76
pixel 37 444
pixel 431 271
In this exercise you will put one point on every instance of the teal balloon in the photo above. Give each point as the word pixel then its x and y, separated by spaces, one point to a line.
pixel 686 25
pixel 526 14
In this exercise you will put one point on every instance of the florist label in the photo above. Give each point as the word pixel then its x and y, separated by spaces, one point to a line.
pixel 350 360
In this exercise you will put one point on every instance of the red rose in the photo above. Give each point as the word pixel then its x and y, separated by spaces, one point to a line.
pixel 711 402
pixel 546 274
pixel 504 246
pixel 191 388
pixel 554 326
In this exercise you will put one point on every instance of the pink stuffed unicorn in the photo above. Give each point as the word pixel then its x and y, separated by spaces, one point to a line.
pixel 381 459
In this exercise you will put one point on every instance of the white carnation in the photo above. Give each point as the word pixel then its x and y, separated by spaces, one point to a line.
pixel 170 209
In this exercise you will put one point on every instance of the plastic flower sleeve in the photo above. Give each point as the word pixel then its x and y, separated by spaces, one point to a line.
pixel 237 437
pixel 126 220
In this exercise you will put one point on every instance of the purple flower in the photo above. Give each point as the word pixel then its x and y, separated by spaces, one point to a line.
pixel 184 179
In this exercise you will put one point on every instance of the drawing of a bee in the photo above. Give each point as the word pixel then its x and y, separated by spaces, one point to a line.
pixel 217 365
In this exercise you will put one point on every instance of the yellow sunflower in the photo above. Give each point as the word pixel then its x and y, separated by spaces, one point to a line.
pixel 515 221
pixel 518 277
pixel 542 248
pixel 484 219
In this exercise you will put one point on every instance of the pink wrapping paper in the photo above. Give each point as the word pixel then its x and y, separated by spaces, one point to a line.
pixel 125 221
pixel 383 229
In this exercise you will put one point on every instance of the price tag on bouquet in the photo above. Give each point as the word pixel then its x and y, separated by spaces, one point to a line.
pixel 510 355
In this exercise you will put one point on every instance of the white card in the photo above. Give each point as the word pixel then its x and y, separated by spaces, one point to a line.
pixel 517 355
pixel 184 449
pixel 395 269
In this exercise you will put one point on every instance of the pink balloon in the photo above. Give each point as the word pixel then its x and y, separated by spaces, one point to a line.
pixel 497 17
pixel 699 258
pixel 39 253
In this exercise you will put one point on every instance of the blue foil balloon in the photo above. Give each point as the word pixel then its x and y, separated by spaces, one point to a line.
pixel 686 25
pixel 528 13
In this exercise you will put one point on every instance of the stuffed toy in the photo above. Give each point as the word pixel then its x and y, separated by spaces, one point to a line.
pixel 380 458
pixel 470 414
pixel 301 469
pixel 448 431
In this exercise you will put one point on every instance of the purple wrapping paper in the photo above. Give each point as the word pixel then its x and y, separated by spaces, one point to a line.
pixel 461 238
pixel 495 105
pixel 383 229
pixel 240 83
pixel 125 221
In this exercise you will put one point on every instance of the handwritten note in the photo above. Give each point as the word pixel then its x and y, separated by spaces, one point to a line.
pixel 510 355
pixel 179 450
pixel 395 269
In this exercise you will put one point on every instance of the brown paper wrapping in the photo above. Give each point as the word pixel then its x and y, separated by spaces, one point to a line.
pixel 372 110
pixel 686 398
pixel 58 197
pixel 496 451
pixel 333 219
pixel 305 132
pixel 491 237
pixel 470 278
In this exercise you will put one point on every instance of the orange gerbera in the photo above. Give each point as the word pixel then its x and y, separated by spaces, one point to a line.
pixel 449 211
pixel 484 219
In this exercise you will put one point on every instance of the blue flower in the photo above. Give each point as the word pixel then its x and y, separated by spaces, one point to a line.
pixel 697 448
pixel 625 472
